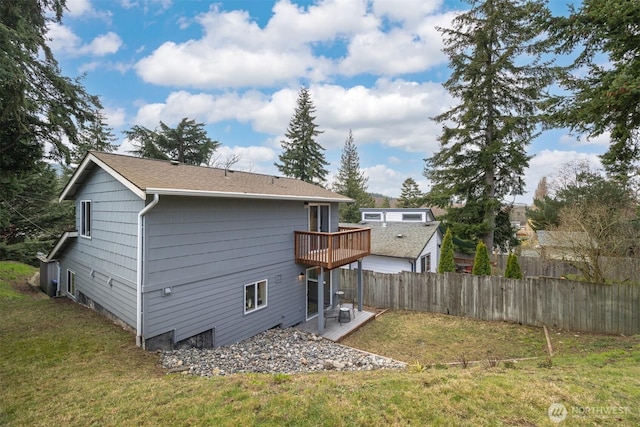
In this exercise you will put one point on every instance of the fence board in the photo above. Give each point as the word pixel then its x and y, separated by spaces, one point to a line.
pixel 565 304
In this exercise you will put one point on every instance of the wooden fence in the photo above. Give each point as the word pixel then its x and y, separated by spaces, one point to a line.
pixel 565 304
pixel 622 269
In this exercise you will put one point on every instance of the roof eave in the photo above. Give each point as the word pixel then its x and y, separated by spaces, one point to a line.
pixel 239 195
pixel 68 193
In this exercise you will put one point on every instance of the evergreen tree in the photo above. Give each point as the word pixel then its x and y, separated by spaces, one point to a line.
pixel 513 267
pixel 481 264
pixel 187 143
pixel 37 104
pixel 447 262
pixel 386 203
pixel 352 183
pixel 483 156
pixel 302 157
pixel 410 195
pixel 94 136
pixel 604 96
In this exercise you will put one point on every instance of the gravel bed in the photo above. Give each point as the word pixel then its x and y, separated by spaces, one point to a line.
pixel 275 351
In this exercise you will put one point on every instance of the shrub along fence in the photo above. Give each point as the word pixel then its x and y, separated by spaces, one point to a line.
pixel 565 304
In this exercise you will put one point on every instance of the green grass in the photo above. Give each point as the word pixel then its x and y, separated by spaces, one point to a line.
pixel 62 364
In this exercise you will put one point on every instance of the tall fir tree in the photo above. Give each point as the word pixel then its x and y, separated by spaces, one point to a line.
pixel 302 157
pixel 352 183
pixel 447 262
pixel 603 96
pixel 483 145
pixel 96 136
pixel 410 195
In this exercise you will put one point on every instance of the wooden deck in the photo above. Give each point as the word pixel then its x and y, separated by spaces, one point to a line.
pixel 332 250
pixel 336 331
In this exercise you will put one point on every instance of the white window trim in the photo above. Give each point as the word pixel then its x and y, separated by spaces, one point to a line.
pixel 373 216
pixel 83 219
pixel 70 274
pixel 255 307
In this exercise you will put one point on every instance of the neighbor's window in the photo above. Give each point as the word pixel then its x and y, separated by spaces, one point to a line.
pixel 425 262
pixel 85 218
pixel 71 283
pixel 373 216
pixel 412 217
pixel 255 296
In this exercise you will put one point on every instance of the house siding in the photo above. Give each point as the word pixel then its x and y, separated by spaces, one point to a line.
pixel 206 250
pixel 105 264
pixel 432 247
pixel 386 264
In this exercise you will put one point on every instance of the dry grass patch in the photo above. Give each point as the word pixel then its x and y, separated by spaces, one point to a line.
pixel 436 338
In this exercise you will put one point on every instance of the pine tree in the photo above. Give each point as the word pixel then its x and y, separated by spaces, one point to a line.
pixel 447 262
pixel 187 142
pixel 483 155
pixel 410 195
pixel 603 97
pixel 352 183
pixel 513 267
pixel 481 265
pixel 302 157
pixel 386 202
pixel 96 136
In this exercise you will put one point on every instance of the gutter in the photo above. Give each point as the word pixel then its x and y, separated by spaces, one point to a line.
pixel 140 253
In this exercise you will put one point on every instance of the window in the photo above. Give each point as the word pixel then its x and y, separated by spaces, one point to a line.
pixel 425 263
pixel 85 218
pixel 255 296
pixel 71 283
pixel 372 216
pixel 412 217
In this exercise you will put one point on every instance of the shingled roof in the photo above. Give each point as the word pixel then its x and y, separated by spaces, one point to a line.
pixel 149 176
pixel 400 239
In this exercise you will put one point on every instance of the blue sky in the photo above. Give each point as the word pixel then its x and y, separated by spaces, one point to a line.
pixel 374 67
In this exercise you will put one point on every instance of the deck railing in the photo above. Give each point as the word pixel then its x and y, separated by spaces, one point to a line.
pixel 332 250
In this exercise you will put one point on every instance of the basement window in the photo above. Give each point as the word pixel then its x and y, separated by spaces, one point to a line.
pixel 255 296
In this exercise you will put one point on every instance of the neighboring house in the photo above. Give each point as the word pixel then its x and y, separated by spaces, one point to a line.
pixel 402 240
pixel 564 245
pixel 186 254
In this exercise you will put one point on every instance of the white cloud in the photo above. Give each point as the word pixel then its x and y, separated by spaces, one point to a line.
pixel 236 52
pixel 384 180
pixel 66 42
pixel 602 140
pixel 104 44
pixel 79 7
pixel 393 113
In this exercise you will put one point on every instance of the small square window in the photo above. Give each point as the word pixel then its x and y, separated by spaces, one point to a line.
pixel 255 296
pixel 85 218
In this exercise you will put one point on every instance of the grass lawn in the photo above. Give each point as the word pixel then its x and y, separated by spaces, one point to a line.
pixel 64 365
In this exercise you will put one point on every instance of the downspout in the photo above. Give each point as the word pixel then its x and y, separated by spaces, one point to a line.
pixel 141 214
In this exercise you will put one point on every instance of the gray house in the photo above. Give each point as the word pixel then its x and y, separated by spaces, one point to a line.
pixel 406 239
pixel 195 255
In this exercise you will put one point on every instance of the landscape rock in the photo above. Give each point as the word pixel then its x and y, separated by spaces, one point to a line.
pixel 286 351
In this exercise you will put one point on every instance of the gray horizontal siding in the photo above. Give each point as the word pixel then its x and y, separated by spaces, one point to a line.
pixel 207 250
pixel 111 251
